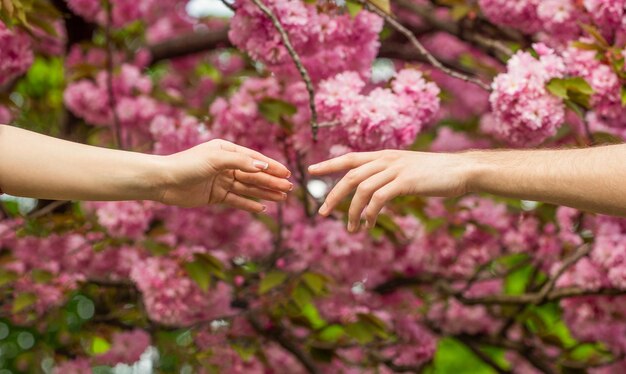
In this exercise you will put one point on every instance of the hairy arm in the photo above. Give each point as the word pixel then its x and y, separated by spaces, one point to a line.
pixel 592 179
pixel 39 166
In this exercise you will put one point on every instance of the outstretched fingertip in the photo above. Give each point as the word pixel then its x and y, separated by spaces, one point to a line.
pixel 324 210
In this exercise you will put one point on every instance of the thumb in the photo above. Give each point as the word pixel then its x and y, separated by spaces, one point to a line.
pixel 239 161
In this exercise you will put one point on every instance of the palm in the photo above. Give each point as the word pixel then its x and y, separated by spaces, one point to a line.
pixel 220 172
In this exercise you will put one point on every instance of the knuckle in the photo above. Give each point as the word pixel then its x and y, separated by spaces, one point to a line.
pixel 364 188
pixel 379 197
pixel 351 177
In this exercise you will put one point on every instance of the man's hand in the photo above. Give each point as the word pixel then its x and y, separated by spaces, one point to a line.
pixel 220 172
pixel 380 176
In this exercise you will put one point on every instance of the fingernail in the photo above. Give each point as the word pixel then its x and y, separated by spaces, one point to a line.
pixel 350 226
pixel 284 197
pixel 264 208
pixel 290 186
pixel 314 167
pixel 323 209
pixel 260 164
pixel 288 175
pixel 367 224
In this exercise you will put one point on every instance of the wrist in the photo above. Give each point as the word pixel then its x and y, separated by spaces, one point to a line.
pixel 152 176
pixel 478 169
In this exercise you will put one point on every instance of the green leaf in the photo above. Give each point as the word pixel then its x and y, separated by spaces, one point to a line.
pixel 432 224
pixel 156 248
pixel 453 356
pixel 374 323
pixel 316 282
pixel 23 301
pixel 557 88
pixel 275 109
pixel 623 96
pixel 200 273
pixel 384 5
pixel 99 346
pixel 7 277
pixel 310 312
pixel 360 332
pixel 245 348
pixel 272 280
pixel 210 71
pixel 516 282
pixel 575 89
pixel 214 265
pixel 596 35
pixel 606 138
pixel 302 295
pixel 11 207
pixel 331 333
pixel 41 276
pixel 353 7
pixel 460 11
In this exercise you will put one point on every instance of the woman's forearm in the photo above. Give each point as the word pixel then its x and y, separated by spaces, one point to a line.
pixel 35 165
pixel 592 179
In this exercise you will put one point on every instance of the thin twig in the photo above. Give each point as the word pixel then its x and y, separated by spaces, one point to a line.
pixel 491 46
pixel 581 252
pixel 590 137
pixel 48 209
pixel 229 6
pixel 296 59
pixel 420 47
pixel 304 182
pixel 109 67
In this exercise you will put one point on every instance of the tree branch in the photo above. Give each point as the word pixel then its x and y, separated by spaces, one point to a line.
pixel 296 60
pixel 420 47
pixel 190 43
pixel 109 68
pixel 399 51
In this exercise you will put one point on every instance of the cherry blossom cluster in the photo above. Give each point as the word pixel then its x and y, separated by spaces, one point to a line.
pixel 328 43
pixel 559 19
pixel 524 111
pixel 381 118
pixel 16 54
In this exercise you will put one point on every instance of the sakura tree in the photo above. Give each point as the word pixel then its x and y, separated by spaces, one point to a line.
pixel 470 284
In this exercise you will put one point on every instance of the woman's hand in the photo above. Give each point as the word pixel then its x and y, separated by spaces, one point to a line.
pixel 222 172
pixel 380 176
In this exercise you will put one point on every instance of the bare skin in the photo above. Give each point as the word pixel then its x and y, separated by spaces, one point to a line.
pixel 216 172
pixel 591 179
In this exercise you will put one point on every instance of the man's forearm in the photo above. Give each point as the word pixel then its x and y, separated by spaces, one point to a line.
pixel 592 179
pixel 34 165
